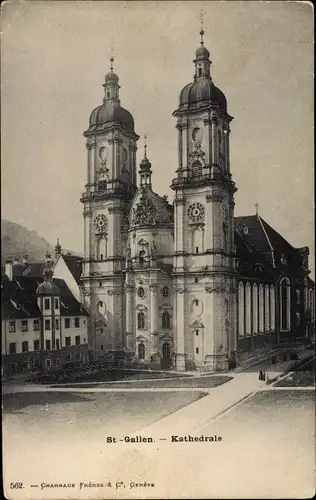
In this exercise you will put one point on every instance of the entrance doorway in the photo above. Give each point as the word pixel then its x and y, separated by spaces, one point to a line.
pixel 166 358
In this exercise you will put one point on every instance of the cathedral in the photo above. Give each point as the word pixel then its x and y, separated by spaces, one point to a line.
pixel 182 285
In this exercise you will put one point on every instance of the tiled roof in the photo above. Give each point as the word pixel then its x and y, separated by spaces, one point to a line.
pixel 262 239
pixel 252 264
pixel 18 301
pixel 19 298
pixel 35 269
pixel 69 306
pixel 74 264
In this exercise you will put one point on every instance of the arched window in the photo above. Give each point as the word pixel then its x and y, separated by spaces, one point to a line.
pixel 141 350
pixel 165 320
pixel 141 292
pixel 141 256
pixel 165 291
pixel 311 303
pixel 267 309
pixel 310 299
pixel 261 309
pixel 219 141
pixel 255 308
pixel 197 240
pixel 241 310
pixel 248 309
pixel 225 237
pixel 285 304
pixel 141 321
pixel 196 169
pixel 102 247
pixel 272 308
pixel 102 307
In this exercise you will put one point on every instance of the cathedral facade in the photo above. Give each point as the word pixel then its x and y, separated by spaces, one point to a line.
pixel 162 281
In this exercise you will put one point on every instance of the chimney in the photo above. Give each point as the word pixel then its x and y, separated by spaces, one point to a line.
pixel 9 269
pixel 25 260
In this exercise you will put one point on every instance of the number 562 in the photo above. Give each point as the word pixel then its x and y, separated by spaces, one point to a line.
pixel 16 485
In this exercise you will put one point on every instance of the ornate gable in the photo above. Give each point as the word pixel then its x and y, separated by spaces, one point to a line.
pixel 144 213
pixel 166 338
pixel 197 324
pixel 141 307
pixel 142 242
pixel 141 338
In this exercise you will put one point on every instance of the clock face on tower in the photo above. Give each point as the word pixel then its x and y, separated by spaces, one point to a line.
pixel 100 223
pixel 196 212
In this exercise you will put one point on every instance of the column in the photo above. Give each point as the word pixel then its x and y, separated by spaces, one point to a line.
pixel 214 221
pixel 180 329
pixel 89 147
pixel 185 147
pixel 225 140
pixel 210 326
pixel 116 169
pixel 180 146
pixel 154 318
pixel 227 150
pixel 179 230
pixel 207 143
pixel 112 169
pixel 134 166
pixel 214 139
pixel 233 316
pixel 129 317
pixel 217 222
pixel 230 249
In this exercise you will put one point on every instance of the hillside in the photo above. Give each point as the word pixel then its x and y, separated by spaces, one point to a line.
pixel 17 239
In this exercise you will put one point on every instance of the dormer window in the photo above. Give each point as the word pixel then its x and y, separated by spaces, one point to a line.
pixel 283 259
pixel 245 230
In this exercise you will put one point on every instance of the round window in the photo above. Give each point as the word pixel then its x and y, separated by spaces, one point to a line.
pixel 141 292
pixel 196 134
pixel 103 153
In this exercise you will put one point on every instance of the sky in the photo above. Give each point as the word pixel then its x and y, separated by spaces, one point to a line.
pixel 54 59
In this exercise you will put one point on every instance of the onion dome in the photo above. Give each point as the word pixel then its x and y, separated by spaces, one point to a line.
pixel 48 287
pixel 202 53
pixel 108 115
pixel 201 93
pixel 111 112
pixel 148 208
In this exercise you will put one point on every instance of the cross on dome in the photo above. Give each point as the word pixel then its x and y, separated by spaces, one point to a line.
pixel 202 29
pixel 145 146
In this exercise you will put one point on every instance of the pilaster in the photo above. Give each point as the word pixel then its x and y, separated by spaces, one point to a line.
pixel 130 331
pixel 180 328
